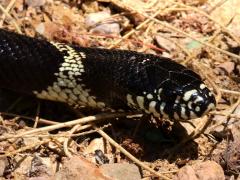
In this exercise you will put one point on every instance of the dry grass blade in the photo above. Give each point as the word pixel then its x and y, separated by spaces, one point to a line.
pixel 9 16
pixel 42 121
pixel 37 115
pixel 198 131
pixel 9 7
pixel 230 92
pixel 64 134
pixel 236 116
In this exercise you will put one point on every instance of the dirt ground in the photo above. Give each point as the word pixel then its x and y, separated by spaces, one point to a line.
pixel 200 34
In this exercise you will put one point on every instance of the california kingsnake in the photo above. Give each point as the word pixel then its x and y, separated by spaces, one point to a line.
pixel 101 78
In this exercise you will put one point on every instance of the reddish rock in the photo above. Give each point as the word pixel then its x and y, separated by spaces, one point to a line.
pixel 208 170
pixel 120 171
pixel 77 168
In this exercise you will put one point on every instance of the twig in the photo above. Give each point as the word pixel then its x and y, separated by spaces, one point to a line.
pixel 65 143
pixel 237 116
pixel 70 134
pixel 233 107
pixel 126 153
pixel 205 121
pixel 230 92
pixel 43 121
pixel 64 134
pixel 37 115
pixel 68 124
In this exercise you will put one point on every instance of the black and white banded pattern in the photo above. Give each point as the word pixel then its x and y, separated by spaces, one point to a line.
pixel 102 78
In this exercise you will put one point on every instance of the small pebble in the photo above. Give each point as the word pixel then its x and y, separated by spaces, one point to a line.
pixel 35 3
pixel 102 23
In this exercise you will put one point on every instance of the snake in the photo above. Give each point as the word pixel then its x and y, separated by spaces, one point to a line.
pixel 102 78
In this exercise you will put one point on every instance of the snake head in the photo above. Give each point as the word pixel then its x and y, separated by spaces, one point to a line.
pixel 188 101
pixel 175 92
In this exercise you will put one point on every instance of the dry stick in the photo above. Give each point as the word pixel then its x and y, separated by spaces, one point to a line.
pixel 199 130
pixel 148 28
pixel 44 121
pixel 48 140
pixel 2 122
pixel 130 156
pixel 224 114
pixel 37 115
pixel 118 37
pixel 9 7
pixel 13 20
pixel 230 92
pixel 68 124
pixel 70 134
pixel 65 143
pixel 64 134
pixel 232 108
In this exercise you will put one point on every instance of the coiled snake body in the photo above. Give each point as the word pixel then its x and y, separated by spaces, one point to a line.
pixel 101 78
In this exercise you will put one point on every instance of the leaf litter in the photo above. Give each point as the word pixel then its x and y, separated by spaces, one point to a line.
pixel 203 35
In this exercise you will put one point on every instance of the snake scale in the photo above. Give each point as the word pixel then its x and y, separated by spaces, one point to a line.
pixel 101 78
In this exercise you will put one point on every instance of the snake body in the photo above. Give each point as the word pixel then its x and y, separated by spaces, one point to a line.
pixel 101 78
